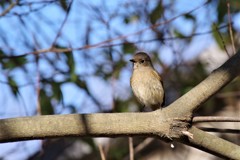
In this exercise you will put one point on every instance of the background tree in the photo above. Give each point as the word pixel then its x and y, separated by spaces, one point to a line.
pixel 57 56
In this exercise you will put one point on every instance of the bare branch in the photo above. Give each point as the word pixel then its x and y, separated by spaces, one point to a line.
pixel 63 23
pixel 101 150
pixel 170 123
pixel 106 42
pixel 213 144
pixel 111 124
pixel 11 6
pixel 230 27
pixel 131 149
pixel 219 78
pixel 95 125
pixel 215 119
pixel 221 130
pixel 142 145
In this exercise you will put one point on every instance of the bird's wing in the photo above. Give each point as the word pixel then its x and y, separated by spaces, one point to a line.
pixel 157 75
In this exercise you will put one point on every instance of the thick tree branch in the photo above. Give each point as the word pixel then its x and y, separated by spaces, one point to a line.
pixel 101 124
pixel 190 102
pixel 170 123
pixel 213 144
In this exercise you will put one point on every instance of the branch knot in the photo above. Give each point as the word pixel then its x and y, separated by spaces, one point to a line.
pixel 178 127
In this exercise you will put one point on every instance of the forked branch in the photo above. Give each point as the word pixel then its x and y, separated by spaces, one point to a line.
pixel 172 123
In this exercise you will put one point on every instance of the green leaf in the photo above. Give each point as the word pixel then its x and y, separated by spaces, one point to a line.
pixel 71 64
pixel 179 34
pixel 118 68
pixel 129 47
pixel 73 77
pixel 216 36
pixel 2 53
pixel 64 5
pixel 190 17
pixel 156 13
pixel 57 92
pixel 14 63
pixel 221 10
pixel 130 19
pixel 45 102
pixel 70 61
pixel 81 84
pixel 121 105
pixel 13 86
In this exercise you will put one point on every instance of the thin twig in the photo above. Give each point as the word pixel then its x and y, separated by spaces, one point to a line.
pixel 232 41
pixel 104 44
pixel 63 23
pixel 23 3
pixel 223 42
pixel 100 147
pixel 234 131
pixel 142 145
pixel 11 6
pixel 215 119
pixel 230 27
pixel 131 150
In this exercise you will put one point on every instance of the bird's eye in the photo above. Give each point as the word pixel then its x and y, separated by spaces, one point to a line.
pixel 142 61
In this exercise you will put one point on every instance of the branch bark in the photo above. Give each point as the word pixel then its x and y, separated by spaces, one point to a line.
pixel 199 119
pixel 95 125
pixel 172 123
pixel 213 144
pixel 190 102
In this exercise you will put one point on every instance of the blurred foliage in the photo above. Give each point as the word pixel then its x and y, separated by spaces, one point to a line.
pixel 156 13
pixel 111 64
pixel 109 61
pixel 46 106
pixel 13 86
pixel 129 48
pixel 64 5
pixel 10 64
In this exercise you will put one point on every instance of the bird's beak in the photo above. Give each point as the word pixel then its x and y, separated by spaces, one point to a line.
pixel 132 60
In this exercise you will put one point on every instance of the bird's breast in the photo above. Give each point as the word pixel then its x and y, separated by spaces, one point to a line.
pixel 147 87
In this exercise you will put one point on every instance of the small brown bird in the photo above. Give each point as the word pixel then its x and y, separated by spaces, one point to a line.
pixel 146 83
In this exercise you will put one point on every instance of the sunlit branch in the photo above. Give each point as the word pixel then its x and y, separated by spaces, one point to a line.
pixel 166 124
pixel 215 119
pixel 220 130
pixel 212 144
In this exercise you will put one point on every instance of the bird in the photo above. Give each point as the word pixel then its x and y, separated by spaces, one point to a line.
pixel 146 82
